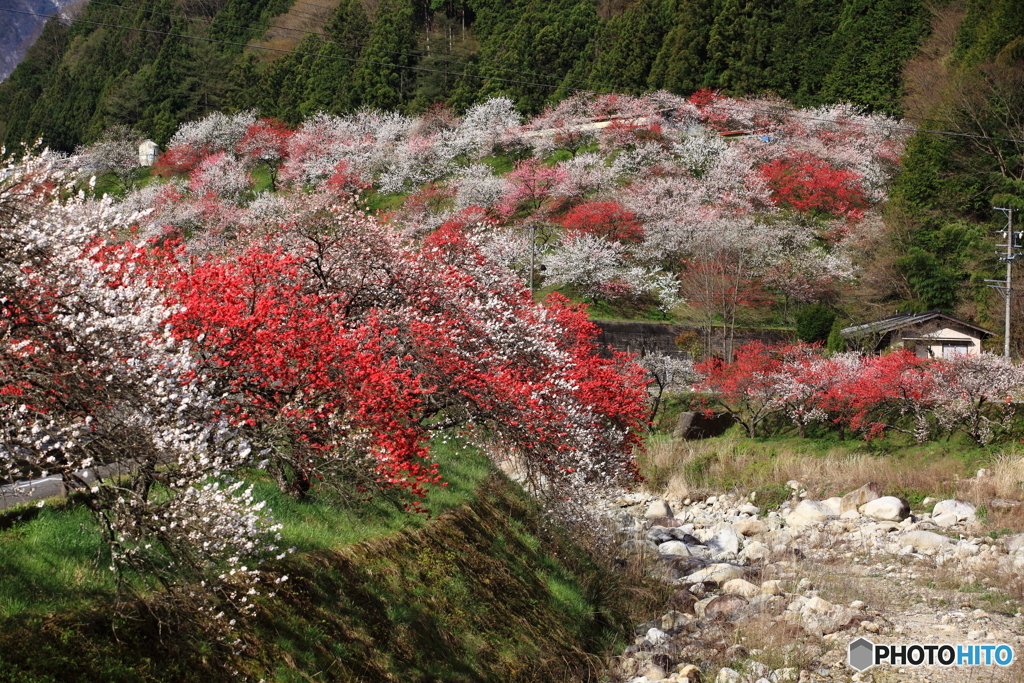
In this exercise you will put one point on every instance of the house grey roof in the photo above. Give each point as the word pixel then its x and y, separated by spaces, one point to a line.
pixel 900 321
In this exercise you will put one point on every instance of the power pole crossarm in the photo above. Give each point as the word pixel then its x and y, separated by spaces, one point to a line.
pixel 1005 287
pixel 1009 284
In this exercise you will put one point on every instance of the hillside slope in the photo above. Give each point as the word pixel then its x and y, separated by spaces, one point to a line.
pixel 154 66
pixel 484 593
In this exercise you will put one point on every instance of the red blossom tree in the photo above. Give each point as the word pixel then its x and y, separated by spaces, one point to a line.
pixel 607 220
pixel 266 141
pixel 882 391
pixel 343 352
pixel 811 185
pixel 746 387
pixel 179 160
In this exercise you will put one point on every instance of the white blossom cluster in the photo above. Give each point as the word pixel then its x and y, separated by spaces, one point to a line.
pixel 216 132
pixel 98 392
pixel 116 151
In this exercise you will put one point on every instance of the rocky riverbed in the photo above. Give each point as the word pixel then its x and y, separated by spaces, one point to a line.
pixel 763 596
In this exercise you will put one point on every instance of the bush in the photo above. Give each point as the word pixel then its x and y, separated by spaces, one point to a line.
pixel 814 323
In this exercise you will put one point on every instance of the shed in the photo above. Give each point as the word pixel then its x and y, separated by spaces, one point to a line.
pixel 932 334
pixel 147 152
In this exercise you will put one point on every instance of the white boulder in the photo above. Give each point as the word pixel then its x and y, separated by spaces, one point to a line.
pixel 887 508
pixel 809 512
pixel 961 508
pixel 715 573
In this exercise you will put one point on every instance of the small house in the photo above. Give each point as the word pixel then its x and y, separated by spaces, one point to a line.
pixel 933 334
pixel 148 152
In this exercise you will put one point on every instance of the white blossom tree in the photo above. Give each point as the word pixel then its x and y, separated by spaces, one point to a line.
pixel 98 392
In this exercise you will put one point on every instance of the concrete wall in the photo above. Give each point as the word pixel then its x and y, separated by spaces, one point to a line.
pixel 645 337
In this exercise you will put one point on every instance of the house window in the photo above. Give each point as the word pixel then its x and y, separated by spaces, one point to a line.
pixel 952 350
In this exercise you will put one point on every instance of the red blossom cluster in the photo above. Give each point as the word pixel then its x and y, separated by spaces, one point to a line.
pixel 866 394
pixel 811 185
pixel 338 345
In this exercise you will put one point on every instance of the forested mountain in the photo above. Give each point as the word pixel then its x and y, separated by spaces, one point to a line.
pixel 955 69
pixel 154 65
pixel 21 24
pixel 967 82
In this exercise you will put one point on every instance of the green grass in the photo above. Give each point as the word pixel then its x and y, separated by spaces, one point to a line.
pixel 482 590
pixel 52 562
pixel 375 201
pixel 54 558
pixel 501 164
pixel 262 180
pixel 314 524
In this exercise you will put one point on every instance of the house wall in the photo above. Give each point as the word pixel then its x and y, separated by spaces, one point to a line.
pixel 953 341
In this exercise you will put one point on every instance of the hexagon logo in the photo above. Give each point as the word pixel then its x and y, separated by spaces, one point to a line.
pixel 862 654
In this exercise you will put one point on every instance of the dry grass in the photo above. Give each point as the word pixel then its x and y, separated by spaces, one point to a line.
pixel 684 469
pixel 287 30
pixel 1005 479
pixel 679 469
pixel 777 644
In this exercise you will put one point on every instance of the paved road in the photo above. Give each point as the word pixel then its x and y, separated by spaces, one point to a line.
pixel 50 487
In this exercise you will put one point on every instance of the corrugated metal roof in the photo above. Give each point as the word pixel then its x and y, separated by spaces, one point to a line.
pixel 900 321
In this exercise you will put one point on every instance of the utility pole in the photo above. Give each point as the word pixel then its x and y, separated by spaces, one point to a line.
pixel 533 254
pixel 1005 287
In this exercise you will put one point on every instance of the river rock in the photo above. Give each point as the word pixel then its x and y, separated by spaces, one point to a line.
pixel 772 587
pixel 724 540
pixel 750 527
pixel 658 508
pixel 728 676
pixel 924 540
pixel 808 512
pixel 724 605
pixel 820 617
pixel 716 573
pixel 754 551
pixel 653 672
pixel 945 520
pixel 865 494
pixel 740 587
pixel 674 548
pixel 888 508
pixel 689 673
pixel 673 619
pixel 833 505
pixel 1014 543
pixel 701 605
pixel 655 636
pixel 961 508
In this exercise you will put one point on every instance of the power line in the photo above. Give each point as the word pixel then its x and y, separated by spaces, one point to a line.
pixel 503 80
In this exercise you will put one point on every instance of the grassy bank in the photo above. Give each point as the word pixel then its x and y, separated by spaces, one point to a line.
pixel 831 467
pixel 483 591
